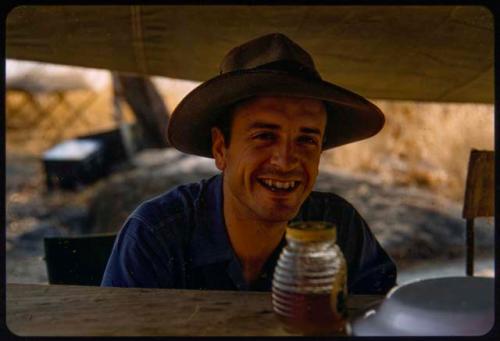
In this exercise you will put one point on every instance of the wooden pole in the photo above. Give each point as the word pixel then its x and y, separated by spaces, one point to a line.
pixel 148 107
pixel 469 270
pixel 125 133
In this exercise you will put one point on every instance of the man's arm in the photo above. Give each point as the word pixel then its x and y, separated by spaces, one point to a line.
pixel 370 269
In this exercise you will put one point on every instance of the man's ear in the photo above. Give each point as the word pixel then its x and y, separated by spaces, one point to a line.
pixel 218 148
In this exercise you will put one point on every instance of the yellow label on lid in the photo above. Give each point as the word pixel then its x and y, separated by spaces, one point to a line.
pixel 312 231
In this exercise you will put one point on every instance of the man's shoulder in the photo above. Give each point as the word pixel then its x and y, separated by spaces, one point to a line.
pixel 178 203
pixel 328 198
pixel 326 206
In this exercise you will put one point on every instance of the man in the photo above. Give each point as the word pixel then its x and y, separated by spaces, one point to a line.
pixel 265 120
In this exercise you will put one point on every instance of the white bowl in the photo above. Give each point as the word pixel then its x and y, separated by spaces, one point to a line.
pixel 433 307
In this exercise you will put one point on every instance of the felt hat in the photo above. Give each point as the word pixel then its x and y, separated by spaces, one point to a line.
pixel 271 65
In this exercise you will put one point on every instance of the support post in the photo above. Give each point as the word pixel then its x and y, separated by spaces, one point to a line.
pixel 125 132
pixel 470 248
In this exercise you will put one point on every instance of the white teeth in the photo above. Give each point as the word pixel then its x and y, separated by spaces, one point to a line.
pixel 278 184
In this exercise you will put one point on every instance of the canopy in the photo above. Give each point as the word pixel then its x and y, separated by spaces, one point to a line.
pixel 428 53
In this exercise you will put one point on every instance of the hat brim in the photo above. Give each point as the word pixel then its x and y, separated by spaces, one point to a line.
pixel 351 117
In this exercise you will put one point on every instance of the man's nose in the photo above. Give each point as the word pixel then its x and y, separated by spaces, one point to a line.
pixel 285 156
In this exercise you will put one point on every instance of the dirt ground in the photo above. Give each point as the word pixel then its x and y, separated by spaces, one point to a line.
pixel 414 226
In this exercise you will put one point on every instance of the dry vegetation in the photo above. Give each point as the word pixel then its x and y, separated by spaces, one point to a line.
pixel 422 144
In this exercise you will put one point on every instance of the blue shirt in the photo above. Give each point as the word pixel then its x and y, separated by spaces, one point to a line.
pixel 179 240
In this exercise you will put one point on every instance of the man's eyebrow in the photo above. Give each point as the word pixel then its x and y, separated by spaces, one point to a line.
pixel 263 125
pixel 310 130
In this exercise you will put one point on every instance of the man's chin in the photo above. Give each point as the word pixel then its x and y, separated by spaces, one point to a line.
pixel 276 209
pixel 279 215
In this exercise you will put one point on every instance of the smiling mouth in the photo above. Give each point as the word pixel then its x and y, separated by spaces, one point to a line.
pixel 279 186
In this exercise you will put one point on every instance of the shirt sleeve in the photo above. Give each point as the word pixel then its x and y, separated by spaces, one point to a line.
pixel 138 259
pixel 370 269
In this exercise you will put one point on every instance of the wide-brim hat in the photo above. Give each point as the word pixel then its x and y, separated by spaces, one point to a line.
pixel 271 65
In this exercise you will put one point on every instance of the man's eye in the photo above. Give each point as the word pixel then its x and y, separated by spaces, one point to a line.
pixel 265 136
pixel 308 140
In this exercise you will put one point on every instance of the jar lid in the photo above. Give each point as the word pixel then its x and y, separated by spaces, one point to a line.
pixel 312 231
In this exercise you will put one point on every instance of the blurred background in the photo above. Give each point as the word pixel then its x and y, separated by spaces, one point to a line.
pixel 408 181
pixel 420 156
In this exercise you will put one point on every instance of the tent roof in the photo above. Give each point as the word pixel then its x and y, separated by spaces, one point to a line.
pixel 429 53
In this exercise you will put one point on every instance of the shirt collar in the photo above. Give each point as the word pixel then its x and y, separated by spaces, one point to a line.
pixel 210 242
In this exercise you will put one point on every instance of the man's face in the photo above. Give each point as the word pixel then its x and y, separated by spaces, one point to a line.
pixel 272 161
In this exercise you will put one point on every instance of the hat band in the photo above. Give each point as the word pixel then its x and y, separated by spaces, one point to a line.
pixel 291 67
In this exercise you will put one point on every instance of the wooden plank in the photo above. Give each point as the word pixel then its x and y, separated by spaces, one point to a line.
pixel 478 200
pixel 65 310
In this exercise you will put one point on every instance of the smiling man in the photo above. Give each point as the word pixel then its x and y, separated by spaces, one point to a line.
pixel 265 120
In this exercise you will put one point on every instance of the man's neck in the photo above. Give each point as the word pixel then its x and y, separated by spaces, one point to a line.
pixel 252 240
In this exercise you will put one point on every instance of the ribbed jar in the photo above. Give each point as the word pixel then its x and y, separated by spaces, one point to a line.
pixel 309 284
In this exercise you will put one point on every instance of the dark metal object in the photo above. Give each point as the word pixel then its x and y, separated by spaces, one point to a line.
pixel 114 149
pixel 70 171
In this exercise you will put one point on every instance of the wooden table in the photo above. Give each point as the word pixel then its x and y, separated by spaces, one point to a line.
pixel 68 310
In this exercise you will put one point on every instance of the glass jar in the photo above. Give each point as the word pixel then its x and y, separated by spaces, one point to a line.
pixel 309 288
